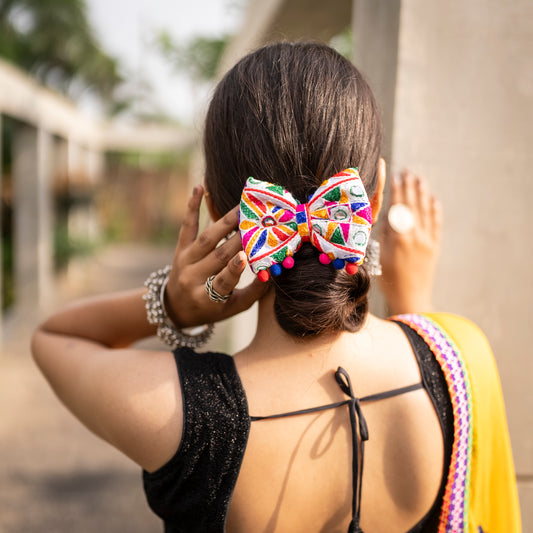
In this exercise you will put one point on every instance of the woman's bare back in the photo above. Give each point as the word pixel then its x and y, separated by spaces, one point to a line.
pixel 297 471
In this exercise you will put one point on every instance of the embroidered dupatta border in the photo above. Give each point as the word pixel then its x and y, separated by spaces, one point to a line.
pixel 454 512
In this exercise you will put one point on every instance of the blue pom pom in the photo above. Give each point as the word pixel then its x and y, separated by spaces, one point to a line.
pixel 275 269
pixel 338 264
pixel 352 259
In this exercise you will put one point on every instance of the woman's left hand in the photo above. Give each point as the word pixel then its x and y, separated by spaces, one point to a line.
pixel 198 257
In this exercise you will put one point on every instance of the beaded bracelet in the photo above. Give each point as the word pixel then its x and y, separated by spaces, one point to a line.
pixel 157 315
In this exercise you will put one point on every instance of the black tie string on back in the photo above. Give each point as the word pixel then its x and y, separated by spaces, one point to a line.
pixel 358 430
pixel 343 379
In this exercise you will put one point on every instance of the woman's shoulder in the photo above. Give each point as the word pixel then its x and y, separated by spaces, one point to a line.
pixel 197 364
pixel 206 379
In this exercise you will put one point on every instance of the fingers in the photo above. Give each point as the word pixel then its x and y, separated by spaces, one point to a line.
pixel 225 283
pixel 423 204
pixel 208 239
pixel 396 190
pixel 189 229
pixel 218 258
pixel 436 218
pixel 405 189
pixel 408 188
pixel 226 280
pixel 197 258
pixel 414 192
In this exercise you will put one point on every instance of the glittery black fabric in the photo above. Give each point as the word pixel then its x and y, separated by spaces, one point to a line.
pixel 435 384
pixel 191 493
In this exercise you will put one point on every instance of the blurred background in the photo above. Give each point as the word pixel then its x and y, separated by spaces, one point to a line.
pixel 101 110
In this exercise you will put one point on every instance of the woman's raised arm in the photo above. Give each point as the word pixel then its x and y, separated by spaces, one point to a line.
pixel 126 396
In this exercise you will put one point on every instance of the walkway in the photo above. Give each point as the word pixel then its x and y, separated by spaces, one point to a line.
pixel 56 477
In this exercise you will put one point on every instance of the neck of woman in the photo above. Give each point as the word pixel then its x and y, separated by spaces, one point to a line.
pixel 272 341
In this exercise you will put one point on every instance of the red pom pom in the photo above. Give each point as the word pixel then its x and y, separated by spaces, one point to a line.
pixel 324 259
pixel 288 262
pixel 352 268
pixel 263 275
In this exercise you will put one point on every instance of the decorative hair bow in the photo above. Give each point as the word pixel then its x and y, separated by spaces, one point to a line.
pixel 337 220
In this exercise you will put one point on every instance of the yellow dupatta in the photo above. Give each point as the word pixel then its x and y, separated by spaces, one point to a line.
pixel 481 494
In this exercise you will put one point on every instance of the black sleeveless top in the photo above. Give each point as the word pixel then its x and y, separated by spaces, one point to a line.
pixel 191 492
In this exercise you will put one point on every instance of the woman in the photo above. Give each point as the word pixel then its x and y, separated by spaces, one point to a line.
pixel 215 455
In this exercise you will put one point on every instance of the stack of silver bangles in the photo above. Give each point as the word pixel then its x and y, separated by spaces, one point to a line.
pixel 157 315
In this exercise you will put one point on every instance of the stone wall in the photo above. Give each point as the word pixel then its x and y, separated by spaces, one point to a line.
pixel 456 83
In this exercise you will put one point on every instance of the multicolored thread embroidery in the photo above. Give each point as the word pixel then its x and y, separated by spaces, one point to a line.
pixel 454 512
pixel 337 220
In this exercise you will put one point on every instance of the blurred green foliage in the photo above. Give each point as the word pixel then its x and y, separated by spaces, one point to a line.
pixel 8 295
pixel 343 43
pixel 53 41
pixel 200 56
pixel 133 160
pixel 65 244
pixel 65 247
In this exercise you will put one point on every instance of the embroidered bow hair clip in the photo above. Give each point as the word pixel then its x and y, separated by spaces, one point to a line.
pixel 336 220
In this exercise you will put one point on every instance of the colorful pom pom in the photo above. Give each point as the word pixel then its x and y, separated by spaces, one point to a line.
pixel 324 259
pixel 338 263
pixel 263 275
pixel 352 268
pixel 288 262
pixel 275 269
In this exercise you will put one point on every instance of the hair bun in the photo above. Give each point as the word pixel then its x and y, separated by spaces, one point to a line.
pixel 312 298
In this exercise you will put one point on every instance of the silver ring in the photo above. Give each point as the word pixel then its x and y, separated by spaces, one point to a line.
pixel 214 295
pixel 401 218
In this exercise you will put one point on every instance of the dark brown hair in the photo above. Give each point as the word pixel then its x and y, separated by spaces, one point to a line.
pixel 295 114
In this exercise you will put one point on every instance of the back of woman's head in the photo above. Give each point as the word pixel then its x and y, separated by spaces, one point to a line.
pixel 295 114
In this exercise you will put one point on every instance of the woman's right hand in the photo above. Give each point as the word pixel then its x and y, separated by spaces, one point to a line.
pixel 409 259
pixel 197 257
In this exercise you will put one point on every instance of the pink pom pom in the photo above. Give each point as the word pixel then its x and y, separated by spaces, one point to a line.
pixel 352 268
pixel 288 262
pixel 263 275
pixel 324 259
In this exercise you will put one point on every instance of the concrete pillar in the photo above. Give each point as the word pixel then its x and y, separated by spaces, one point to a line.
pixel 46 233
pixel 375 35
pixel 74 157
pixel 461 116
pixel 33 220
pixel 61 164
pixel 95 164
pixel 75 175
pixel 85 166
pixel 95 170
